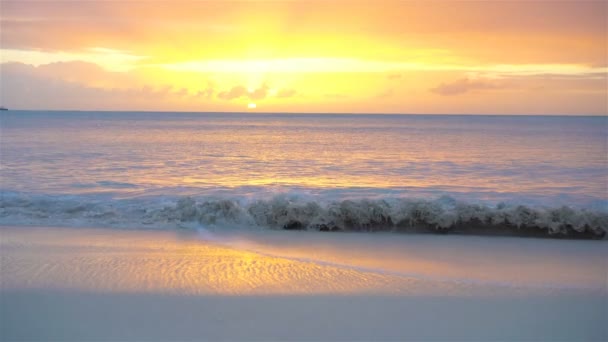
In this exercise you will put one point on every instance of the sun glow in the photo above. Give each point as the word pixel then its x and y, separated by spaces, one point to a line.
pixel 252 106
pixel 297 56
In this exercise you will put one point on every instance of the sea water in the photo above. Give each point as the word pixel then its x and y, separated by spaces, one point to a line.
pixel 303 171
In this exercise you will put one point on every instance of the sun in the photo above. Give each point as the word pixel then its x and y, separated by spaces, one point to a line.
pixel 251 106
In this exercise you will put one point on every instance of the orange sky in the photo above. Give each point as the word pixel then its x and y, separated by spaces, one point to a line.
pixel 492 57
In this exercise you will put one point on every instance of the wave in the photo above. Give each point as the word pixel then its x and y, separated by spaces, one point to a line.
pixel 441 215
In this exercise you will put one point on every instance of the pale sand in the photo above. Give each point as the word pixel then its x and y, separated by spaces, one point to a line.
pixel 96 284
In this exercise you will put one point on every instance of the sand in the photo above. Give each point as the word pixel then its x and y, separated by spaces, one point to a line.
pixel 103 284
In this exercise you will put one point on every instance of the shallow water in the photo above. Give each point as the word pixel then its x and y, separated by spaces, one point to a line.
pixel 275 262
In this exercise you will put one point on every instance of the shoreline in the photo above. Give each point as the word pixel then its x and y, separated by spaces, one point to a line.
pixel 503 262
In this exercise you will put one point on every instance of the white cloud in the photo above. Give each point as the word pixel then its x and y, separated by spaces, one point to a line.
pixel 462 86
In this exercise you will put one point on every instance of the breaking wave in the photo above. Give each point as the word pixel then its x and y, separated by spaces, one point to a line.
pixel 442 215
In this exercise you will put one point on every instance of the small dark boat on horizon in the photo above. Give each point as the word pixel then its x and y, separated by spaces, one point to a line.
pixel 3 108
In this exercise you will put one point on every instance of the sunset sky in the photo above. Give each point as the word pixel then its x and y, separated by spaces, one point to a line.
pixel 491 57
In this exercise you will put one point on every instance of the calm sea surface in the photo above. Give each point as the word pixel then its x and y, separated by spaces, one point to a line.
pixel 137 153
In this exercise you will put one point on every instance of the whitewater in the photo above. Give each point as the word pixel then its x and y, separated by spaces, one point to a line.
pixel 528 175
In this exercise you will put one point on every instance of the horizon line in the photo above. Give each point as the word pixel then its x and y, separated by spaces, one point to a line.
pixel 291 113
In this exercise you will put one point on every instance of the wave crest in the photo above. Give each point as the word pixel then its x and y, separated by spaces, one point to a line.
pixel 444 215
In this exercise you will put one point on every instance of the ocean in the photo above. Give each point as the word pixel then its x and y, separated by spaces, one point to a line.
pixel 538 175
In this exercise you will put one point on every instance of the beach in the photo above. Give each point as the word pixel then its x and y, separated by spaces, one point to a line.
pixel 303 170
pixel 108 284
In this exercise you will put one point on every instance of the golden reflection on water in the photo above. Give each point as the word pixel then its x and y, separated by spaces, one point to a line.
pixel 292 263
pixel 281 154
pixel 479 155
pixel 120 261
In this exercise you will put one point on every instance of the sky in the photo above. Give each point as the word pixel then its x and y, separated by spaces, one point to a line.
pixel 444 57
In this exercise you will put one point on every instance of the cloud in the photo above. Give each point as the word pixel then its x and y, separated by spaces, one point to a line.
pixel 233 93
pixel 25 86
pixel 80 85
pixel 84 85
pixel 109 59
pixel 76 72
pixel 462 86
pixel 259 93
pixel 206 93
pixel 550 76
pixel 113 22
pixel 393 77
pixel 241 91
pixel 285 93
pixel 183 92
pixel 385 94
pixel 254 94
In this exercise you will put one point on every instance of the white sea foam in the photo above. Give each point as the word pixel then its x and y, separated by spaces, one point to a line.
pixel 443 214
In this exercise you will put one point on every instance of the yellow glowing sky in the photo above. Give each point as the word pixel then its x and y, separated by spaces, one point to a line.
pixel 510 57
